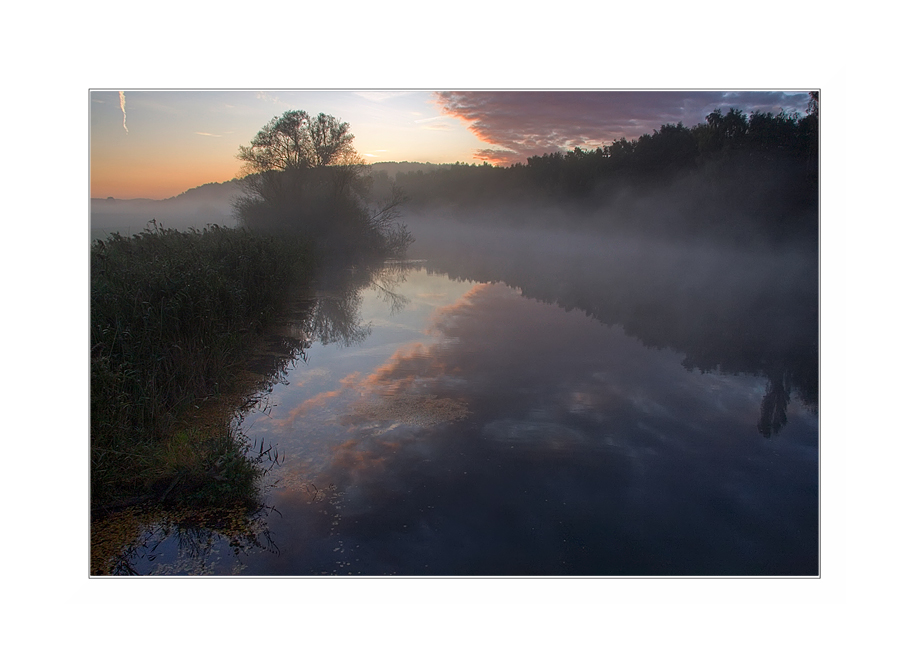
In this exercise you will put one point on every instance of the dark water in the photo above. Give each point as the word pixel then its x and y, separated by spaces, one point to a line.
pixel 517 405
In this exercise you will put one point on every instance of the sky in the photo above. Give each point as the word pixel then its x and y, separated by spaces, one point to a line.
pixel 159 143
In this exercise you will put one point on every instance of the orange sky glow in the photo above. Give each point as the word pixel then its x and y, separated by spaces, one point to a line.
pixel 158 144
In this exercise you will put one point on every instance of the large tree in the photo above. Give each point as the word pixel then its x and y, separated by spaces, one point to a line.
pixel 294 140
pixel 303 176
pixel 300 172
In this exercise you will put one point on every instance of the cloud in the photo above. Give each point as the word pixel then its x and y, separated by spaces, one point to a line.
pixel 437 126
pixel 435 123
pixel 123 108
pixel 519 124
pixel 427 120
pixel 208 134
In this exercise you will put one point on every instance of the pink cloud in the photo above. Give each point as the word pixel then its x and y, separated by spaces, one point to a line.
pixel 519 124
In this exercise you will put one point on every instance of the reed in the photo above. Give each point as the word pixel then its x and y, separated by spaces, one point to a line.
pixel 173 315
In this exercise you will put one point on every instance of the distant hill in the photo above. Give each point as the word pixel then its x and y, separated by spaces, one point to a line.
pixel 392 168
pixel 207 204
pixel 210 191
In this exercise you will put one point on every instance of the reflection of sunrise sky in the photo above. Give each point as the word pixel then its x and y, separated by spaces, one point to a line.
pixel 574 434
pixel 169 141
pixel 334 377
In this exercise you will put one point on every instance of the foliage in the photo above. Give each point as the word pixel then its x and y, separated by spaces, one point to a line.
pixel 174 313
pixel 296 141
pixel 733 167
pixel 171 316
pixel 303 178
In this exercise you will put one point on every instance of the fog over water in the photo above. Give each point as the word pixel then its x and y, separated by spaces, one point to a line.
pixel 725 301
pixel 485 430
pixel 549 390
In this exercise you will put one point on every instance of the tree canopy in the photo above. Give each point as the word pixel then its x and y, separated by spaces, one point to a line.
pixel 295 140
pixel 303 177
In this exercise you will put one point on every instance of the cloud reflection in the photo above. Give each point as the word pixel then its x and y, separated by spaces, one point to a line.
pixel 590 383
pixel 579 451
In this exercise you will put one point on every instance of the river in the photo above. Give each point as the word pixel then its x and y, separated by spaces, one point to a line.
pixel 512 404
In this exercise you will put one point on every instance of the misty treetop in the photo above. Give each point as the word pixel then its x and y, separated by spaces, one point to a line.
pixel 295 140
pixel 734 175
pixel 304 177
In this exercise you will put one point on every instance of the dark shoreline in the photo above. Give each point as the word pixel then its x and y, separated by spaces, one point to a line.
pixel 174 318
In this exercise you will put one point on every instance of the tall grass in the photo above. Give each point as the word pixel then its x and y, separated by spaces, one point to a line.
pixel 172 314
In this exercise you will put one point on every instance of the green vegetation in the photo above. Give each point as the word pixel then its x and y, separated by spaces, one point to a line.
pixel 302 177
pixel 172 316
pixel 734 176
pixel 175 314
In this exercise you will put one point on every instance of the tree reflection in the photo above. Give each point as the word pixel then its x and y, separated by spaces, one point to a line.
pixel 333 315
pixel 728 310
pixel 774 403
pixel 335 319
pixel 190 542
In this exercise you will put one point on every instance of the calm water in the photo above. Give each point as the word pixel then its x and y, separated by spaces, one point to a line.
pixel 636 410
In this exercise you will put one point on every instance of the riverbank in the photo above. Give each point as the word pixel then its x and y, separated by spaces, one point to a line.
pixel 173 316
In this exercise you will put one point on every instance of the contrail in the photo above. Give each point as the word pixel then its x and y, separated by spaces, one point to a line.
pixel 123 108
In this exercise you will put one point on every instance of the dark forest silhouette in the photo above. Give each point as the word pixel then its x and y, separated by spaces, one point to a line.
pixel 736 176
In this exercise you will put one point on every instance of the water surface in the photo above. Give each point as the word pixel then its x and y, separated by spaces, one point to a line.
pixel 595 420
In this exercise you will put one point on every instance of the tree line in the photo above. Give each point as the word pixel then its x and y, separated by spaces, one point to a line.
pixel 762 137
pixel 762 166
pixel 734 175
